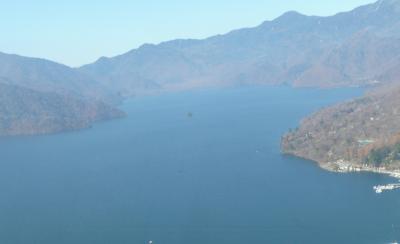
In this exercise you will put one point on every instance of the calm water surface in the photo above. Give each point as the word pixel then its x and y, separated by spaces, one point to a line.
pixel 217 177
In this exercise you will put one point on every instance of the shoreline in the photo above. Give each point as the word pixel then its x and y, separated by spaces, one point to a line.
pixel 346 167
pixel 342 166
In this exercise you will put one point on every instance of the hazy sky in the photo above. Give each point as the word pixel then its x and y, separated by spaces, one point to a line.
pixel 75 32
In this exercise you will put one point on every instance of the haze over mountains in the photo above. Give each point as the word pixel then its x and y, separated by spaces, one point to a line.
pixel 48 76
pixel 39 96
pixel 341 50
pixel 355 48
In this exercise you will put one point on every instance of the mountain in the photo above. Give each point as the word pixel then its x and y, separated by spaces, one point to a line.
pixel 27 112
pixel 293 49
pixel 355 48
pixel 363 59
pixel 47 76
pixel 38 96
pixel 363 133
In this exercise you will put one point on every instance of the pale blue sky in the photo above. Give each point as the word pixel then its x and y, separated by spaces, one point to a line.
pixel 76 32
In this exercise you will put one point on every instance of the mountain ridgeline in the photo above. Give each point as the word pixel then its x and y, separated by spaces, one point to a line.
pixel 47 76
pixel 39 96
pixel 356 48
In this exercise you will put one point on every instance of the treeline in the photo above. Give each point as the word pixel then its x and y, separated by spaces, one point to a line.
pixel 385 155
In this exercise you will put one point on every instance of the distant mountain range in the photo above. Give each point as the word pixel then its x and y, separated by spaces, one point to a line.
pixel 356 48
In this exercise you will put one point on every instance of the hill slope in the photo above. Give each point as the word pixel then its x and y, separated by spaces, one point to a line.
pixel 364 132
pixel 27 112
pixel 47 76
pixel 39 96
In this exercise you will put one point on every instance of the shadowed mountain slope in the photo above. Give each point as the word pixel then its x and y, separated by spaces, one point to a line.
pixel 39 96
pixel 27 112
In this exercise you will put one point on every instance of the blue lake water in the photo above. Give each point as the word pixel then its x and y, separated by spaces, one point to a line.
pixel 217 177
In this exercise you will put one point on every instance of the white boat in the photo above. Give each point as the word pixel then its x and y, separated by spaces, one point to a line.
pixel 379 189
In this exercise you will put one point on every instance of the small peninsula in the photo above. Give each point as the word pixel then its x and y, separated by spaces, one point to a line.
pixel 358 135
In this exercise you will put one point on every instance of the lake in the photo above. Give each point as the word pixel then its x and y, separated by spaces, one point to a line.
pixel 189 168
